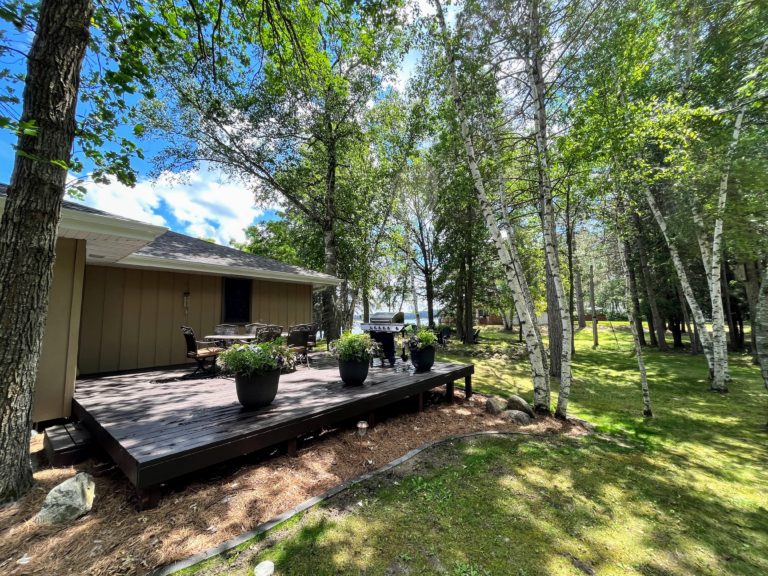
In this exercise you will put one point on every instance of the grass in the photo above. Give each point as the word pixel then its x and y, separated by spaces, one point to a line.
pixel 683 493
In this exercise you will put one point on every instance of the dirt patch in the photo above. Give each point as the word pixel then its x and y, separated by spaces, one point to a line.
pixel 219 504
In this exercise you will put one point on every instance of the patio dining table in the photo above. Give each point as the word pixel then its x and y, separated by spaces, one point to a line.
pixel 228 339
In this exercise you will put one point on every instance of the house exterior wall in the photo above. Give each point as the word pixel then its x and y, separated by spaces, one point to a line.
pixel 57 368
pixel 131 318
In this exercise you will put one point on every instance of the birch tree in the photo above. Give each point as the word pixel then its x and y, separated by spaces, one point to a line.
pixel 507 253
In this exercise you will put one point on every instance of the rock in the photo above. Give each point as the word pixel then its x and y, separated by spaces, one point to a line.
pixel 495 405
pixel 516 416
pixel 69 500
pixel 517 403
pixel 266 568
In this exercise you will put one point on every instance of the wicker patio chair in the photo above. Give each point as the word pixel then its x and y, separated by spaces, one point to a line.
pixel 201 351
pixel 269 334
pixel 297 342
pixel 254 327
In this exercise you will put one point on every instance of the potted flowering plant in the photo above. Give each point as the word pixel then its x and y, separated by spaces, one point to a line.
pixel 422 346
pixel 257 371
pixel 354 353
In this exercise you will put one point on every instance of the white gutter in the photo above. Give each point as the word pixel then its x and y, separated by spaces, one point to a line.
pixel 141 261
pixel 103 224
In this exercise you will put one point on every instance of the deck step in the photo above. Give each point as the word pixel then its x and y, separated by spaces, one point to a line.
pixel 67 444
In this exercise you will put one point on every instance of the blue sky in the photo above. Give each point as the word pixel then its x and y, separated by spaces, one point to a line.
pixel 201 203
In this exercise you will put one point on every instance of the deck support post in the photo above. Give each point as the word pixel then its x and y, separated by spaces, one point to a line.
pixel 292 447
pixel 449 389
pixel 420 401
pixel 371 419
pixel 147 498
pixel 468 386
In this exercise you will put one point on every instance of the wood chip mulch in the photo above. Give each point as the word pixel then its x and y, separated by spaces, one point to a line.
pixel 199 513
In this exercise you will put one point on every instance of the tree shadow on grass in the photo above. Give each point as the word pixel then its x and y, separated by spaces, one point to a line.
pixel 527 506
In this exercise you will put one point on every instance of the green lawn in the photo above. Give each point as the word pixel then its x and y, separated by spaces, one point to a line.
pixel 683 493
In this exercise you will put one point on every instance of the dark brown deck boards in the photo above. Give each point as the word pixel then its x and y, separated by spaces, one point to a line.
pixel 156 430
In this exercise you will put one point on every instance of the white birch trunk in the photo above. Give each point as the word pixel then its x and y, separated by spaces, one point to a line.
pixel 721 374
pixel 548 219
pixel 507 252
pixel 628 290
pixel 698 315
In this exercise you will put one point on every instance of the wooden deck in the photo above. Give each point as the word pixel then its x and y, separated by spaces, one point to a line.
pixel 157 428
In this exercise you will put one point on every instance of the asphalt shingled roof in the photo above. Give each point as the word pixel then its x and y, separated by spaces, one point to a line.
pixel 174 246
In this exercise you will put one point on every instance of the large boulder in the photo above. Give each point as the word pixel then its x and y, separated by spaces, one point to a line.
pixel 495 405
pixel 518 403
pixel 68 501
pixel 516 416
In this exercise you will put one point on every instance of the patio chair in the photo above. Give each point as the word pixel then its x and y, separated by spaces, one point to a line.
pixel 254 327
pixel 225 329
pixel 200 351
pixel 268 334
pixel 443 336
pixel 297 342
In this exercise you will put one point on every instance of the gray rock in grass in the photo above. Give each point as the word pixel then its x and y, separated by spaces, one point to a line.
pixel 517 417
pixel 518 403
pixel 266 568
pixel 495 405
pixel 68 500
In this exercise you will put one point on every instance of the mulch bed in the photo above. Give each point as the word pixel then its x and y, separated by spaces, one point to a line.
pixel 199 513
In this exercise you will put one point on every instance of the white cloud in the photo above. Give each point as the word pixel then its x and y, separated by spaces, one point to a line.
pixel 201 203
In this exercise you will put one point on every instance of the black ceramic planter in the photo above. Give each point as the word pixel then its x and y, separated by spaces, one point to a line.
pixel 353 372
pixel 423 359
pixel 257 390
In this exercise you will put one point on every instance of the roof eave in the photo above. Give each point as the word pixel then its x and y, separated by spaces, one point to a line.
pixel 141 261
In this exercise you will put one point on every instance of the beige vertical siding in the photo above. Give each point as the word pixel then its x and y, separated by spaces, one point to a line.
pixel 57 368
pixel 131 318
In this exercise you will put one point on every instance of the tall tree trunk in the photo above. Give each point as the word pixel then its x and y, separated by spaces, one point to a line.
pixel 733 329
pixel 461 317
pixel 29 223
pixel 752 287
pixel 366 305
pixel 579 296
pixel 330 319
pixel 415 297
pixel 536 81
pixel 569 245
pixel 652 332
pixel 630 288
pixel 554 325
pixel 649 282
pixel 595 340
pixel 687 320
pixel 507 253
pixel 698 316
pixel 635 302
pixel 721 375
pixel 429 288
pixel 760 327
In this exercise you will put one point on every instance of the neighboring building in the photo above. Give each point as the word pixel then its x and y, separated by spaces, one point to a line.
pixel 122 289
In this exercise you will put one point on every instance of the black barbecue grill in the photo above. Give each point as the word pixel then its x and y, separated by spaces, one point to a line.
pixel 383 326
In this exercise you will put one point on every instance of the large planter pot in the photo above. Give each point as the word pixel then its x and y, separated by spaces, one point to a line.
pixel 353 372
pixel 423 359
pixel 258 389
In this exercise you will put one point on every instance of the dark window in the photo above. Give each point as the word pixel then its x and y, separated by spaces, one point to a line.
pixel 237 300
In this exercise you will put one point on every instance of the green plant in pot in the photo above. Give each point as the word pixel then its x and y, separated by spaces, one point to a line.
pixel 354 353
pixel 256 368
pixel 422 347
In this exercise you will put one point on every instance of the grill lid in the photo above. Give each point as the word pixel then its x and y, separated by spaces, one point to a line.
pixel 387 318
